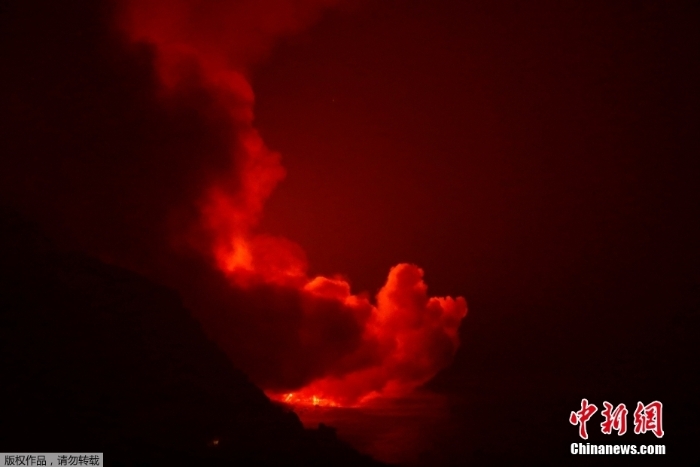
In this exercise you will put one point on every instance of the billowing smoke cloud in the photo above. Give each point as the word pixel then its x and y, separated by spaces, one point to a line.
pixel 351 348
pixel 167 175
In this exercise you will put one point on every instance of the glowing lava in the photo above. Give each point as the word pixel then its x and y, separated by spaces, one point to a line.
pixel 295 399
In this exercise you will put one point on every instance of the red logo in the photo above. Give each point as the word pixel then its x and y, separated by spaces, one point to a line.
pixel 646 418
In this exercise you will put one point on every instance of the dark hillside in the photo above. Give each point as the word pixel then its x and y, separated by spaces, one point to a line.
pixel 97 359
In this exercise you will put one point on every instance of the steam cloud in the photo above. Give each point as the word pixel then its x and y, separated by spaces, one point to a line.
pixel 169 177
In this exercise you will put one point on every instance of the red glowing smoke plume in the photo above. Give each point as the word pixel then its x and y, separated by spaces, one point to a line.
pixel 348 348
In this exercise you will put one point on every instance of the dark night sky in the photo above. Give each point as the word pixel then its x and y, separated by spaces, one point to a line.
pixel 484 141
pixel 538 158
